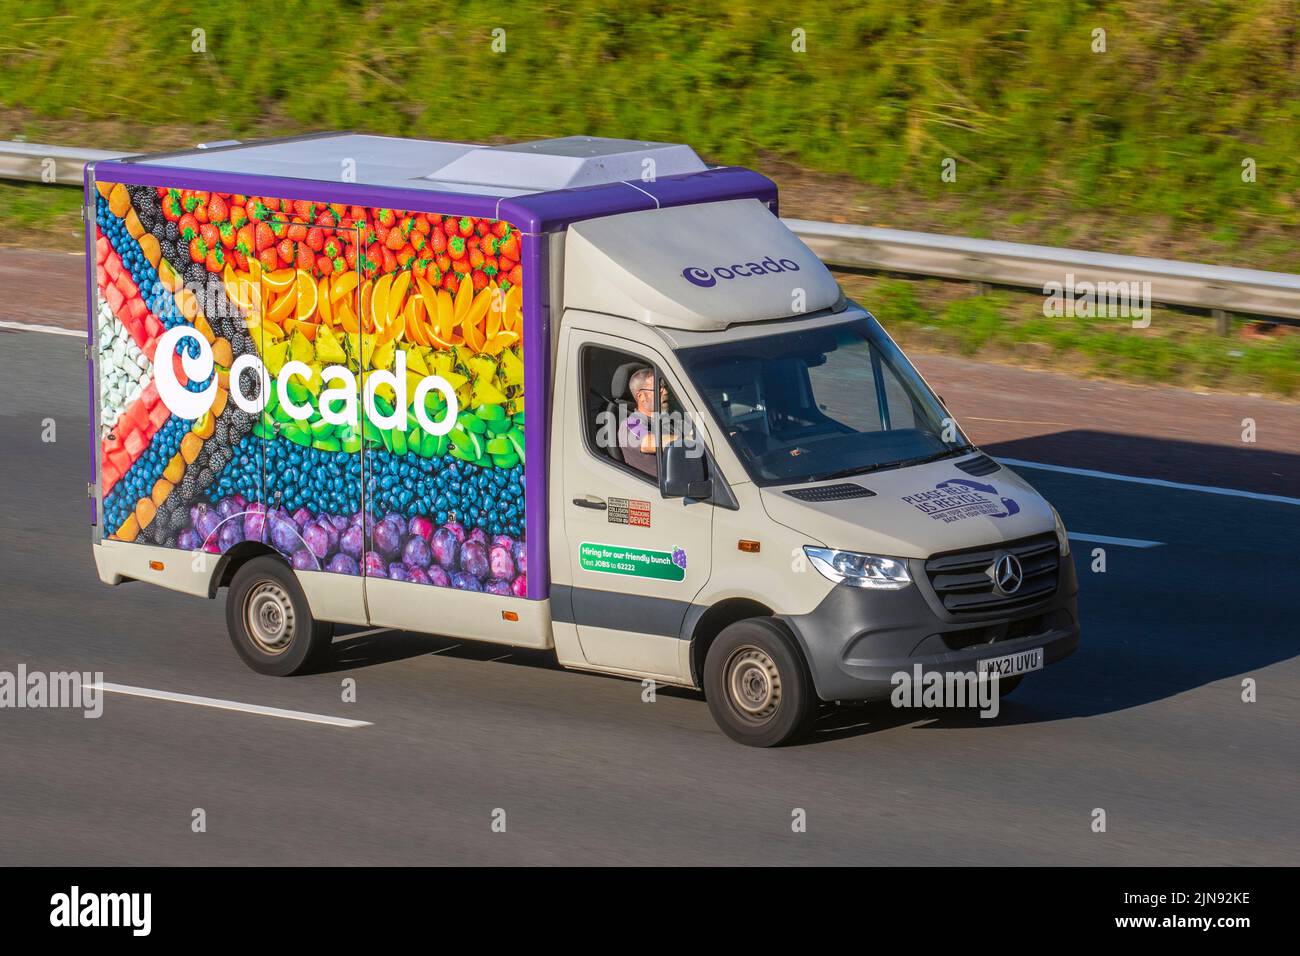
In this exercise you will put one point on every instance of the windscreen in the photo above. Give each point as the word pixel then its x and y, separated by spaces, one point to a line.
pixel 821 403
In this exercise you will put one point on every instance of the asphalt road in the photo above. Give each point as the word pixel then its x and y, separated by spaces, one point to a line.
pixel 1145 721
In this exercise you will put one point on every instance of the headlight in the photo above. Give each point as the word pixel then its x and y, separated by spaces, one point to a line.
pixel 1062 536
pixel 859 570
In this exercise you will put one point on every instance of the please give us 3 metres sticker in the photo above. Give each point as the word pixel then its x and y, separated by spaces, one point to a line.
pixel 635 562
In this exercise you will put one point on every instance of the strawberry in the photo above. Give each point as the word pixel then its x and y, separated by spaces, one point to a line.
pixel 306 259
pixel 350 255
pixel 241 261
pixel 438 240
pixel 227 233
pixel 339 264
pixel 198 249
pixel 516 275
pixel 476 258
pixel 171 206
pixel 480 279
pixel 190 200
pixel 443 261
pixel 390 261
pixel 422 224
pixel 450 282
pixel 501 229
pixel 245 239
pixel 189 226
pixel 216 260
pixel 201 211
pixel 331 246
pixel 218 210
pixel 269 259
pixel 509 247
pixel 506 264
pixel 257 209
pixel 316 238
pixel 395 240
pixel 456 246
pixel 265 237
pixel 490 265
pixel 323 265
pixel 305 209
pixel 385 217
pixel 481 227
pixel 298 231
pixel 238 217
pixel 466 226
pixel 286 250
pixel 279 227
pixel 238 199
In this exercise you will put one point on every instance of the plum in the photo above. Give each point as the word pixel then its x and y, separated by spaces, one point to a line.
pixel 474 560
pixel 416 575
pixel 479 535
pixel 499 588
pixel 520 553
pixel 446 548
pixel 520 586
pixel 343 564
pixel 503 541
pixel 463 581
pixel 439 576
pixel 317 539
pixel 210 545
pixel 255 522
pixel 397 572
pixel 457 529
pixel 189 540
pixel 301 517
pixel 500 563
pixel 421 526
pixel 340 522
pixel 231 533
pixel 197 509
pixel 417 552
pixel 387 538
pixel 207 524
pixel 352 541
pixel 227 507
pixel 284 534
pixel 375 565
pixel 304 560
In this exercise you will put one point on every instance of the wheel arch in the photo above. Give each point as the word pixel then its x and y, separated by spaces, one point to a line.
pixel 235 558
pixel 703 624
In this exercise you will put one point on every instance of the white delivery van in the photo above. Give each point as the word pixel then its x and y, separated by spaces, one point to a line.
pixel 580 394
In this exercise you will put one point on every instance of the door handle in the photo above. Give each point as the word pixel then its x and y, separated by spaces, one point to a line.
pixel 591 501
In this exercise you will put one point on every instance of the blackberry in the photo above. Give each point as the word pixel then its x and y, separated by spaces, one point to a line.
pixel 187 486
pixel 195 274
pixel 171 231
pixel 241 419
pixel 205 476
pixel 168 249
pixel 222 432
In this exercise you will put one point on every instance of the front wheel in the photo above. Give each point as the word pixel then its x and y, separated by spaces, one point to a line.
pixel 269 621
pixel 757 685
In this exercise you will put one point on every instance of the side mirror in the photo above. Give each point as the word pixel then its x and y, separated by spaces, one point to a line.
pixel 682 474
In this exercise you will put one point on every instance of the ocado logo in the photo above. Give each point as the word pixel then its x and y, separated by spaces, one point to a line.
pixel 708 278
pixel 340 387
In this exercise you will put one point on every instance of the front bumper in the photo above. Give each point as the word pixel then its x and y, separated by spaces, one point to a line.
pixel 856 639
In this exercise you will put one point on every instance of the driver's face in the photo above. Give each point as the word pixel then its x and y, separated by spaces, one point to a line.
pixel 645 399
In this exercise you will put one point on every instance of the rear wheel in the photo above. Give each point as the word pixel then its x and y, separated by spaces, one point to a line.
pixel 757 685
pixel 269 621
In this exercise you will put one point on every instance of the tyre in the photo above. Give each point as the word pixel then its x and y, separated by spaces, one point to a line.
pixel 757 684
pixel 269 621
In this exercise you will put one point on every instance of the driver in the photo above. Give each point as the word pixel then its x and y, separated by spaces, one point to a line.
pixel 637 437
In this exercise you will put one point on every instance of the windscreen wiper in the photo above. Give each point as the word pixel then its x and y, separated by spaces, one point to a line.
pixel 905 463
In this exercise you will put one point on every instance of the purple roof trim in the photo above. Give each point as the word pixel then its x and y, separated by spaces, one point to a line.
pixel 88 202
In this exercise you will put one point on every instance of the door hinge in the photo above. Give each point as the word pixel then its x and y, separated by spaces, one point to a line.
pixel 87 350
pixel 90 489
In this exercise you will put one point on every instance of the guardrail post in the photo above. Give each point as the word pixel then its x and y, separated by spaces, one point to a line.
pixel 1222 320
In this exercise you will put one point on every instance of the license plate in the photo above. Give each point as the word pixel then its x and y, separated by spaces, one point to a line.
pixel 1009 665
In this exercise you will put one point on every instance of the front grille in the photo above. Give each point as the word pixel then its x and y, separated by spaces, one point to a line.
pixel 979 466
pixel 963 582
pixel 831 492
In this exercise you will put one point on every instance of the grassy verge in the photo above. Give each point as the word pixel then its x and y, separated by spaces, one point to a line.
pixel 1009 327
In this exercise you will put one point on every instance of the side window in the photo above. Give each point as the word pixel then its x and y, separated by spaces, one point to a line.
pixel 622 398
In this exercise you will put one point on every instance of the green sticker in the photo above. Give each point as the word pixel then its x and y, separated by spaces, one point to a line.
pixel 635 562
